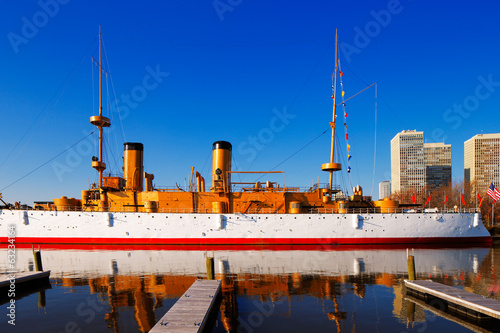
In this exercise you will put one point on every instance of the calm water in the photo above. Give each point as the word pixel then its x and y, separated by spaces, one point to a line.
pixel 264 290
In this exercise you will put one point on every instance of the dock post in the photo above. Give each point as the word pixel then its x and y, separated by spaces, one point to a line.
pixel 410 312
pixel 210 268
pixel 411 265
pixel 41 299
pixel 37 255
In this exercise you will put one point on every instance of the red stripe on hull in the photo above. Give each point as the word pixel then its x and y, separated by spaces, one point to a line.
pixel 250 241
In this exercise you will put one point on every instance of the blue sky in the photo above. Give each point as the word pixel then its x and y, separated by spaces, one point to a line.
pixel 256 73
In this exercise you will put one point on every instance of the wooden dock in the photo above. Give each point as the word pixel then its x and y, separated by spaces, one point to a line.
pixel 456 299
pixel 472 326
pixel 191 312
pixel 23 278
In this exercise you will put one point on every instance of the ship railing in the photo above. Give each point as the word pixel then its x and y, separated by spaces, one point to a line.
pixel 276 210
pixel 263 211
pixel 394 210
pixel 170 189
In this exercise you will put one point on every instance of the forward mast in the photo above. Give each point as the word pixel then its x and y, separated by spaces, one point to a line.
pixel 100 121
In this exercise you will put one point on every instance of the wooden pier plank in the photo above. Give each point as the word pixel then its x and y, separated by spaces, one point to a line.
pixel 190 313
pixel 22 277
pixel 481 304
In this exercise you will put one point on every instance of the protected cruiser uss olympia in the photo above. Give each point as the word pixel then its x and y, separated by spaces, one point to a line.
pixel 129 210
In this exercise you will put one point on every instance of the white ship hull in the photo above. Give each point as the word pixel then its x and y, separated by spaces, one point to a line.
pixel 69 227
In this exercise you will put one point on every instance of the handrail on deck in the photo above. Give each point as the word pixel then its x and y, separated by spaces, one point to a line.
pixel 276 210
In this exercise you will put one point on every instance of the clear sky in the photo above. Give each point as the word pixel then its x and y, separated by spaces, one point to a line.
pixel 183 74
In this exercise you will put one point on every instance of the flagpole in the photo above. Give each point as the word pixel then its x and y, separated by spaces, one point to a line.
pixel 493 214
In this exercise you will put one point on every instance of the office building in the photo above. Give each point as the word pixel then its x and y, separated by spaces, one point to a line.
pixel 384 190
pixel 416 165
pixel 437 157
pixel 482 162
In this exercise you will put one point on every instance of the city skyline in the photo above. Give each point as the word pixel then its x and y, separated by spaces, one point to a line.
pixel 416 165
pixel 188 76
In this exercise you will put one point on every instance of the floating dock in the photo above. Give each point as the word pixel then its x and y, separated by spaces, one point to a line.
pixel 456 299
pixel 470 325
pixel 191 312
pixel 22 279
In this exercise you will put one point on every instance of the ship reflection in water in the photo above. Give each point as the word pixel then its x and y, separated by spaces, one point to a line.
pixel 263 290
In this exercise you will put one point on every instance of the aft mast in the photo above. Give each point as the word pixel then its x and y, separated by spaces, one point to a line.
pixel 100 122
pixel 331 167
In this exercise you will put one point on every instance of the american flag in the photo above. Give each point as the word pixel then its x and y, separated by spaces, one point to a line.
pixel 493 193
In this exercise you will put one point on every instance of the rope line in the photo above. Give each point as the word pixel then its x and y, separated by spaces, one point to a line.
pixel 62 86
pixel 53 158
pixel 299 92
pixel 289 157
pixel 374 142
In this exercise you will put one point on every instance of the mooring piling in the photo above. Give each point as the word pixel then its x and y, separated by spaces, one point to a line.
pixel 411 265
pixel 210 268
pixel 37 255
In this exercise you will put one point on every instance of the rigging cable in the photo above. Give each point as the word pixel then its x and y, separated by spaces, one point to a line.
pixel 205 164
pixel 341 157
pixel 394 113
pixel 114 92
pixel 300 90
pixel 93 84
pixel 375 142
pixel 235 167
pixel 341 74
pixel 53 158
pixel 112 155
pixel 62 86
pixel 108 109
pixel 289 157
pixel 222 45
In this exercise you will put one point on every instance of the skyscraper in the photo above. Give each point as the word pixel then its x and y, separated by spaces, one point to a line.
pixel 416 165
pixel 384 189
pixel 482 161
pixel 407 161
pixel 437 157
